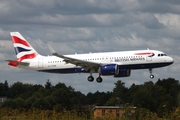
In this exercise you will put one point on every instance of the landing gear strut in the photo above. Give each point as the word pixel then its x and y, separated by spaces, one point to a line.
pixel 151 75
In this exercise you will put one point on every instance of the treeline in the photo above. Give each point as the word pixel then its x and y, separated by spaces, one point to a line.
pixel 159 97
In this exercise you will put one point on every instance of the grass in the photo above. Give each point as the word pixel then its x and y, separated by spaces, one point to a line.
pixel 36 114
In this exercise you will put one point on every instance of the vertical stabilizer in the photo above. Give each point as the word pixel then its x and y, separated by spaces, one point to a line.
pixel 22 48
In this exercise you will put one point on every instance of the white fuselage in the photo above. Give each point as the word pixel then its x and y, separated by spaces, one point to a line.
pixel 140 59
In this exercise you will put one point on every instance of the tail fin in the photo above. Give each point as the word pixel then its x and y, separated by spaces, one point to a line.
pixel 22 48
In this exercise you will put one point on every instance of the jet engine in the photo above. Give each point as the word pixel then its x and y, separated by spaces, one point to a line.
pixel 123 73
pixel 111 69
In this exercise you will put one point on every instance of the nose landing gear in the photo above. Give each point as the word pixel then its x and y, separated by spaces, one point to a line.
pixel 151 75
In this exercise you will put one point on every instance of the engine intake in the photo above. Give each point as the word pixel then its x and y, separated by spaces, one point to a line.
pixel 111 69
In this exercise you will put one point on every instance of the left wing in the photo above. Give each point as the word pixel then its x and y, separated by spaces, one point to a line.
pixel 84 64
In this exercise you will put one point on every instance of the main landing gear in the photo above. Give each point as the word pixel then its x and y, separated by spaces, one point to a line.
pixel 151 75
pixel 99 79
pixel 91 79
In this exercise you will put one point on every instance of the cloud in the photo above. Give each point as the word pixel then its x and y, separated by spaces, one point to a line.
pixel 85 26
pixel 5 45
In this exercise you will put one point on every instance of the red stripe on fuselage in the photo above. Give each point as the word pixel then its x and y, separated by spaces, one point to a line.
pixel 146 53
pixel 20 41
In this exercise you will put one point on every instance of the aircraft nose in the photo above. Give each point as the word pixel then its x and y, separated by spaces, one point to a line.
pixel 171 60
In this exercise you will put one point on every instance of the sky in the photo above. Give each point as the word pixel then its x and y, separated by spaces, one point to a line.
pixel 83 26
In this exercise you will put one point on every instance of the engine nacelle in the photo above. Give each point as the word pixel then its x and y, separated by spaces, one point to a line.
pixel 111 69
pixel 123 73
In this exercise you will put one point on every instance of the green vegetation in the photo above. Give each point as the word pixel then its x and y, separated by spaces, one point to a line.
pixel 26 101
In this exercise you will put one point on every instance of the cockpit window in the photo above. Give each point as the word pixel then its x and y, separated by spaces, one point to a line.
pixel 161 55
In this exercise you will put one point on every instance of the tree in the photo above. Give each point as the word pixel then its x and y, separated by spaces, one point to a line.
pixel 90 99
pixel 41 104
pixel 9 104
pixel 178 97
pixel 133 88
pixel 60 86
pixel 120 91
pixel 41 93
pixel 19 103
pixel 143 97
pixel 114 101
pixel 63 97
pixel 48 85
pixel 101 97
pixel 30 101
pixel 171 85
pixel 78 99
pixel 6 87
pixel 16 89
pixel 51 101
pixel 172 88
pixel 1 89
pixel 21 90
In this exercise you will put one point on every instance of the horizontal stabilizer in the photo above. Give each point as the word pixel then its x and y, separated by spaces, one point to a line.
pixel 16 63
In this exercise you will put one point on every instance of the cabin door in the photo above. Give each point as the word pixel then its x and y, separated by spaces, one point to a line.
pixel 148 58
pixel 40 63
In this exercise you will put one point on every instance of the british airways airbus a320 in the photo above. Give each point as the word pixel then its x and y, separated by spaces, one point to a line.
pixel 118 64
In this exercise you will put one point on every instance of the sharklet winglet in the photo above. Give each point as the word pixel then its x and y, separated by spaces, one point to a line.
pixel 51 49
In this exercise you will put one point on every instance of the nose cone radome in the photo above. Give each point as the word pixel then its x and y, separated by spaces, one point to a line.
pixel 171 60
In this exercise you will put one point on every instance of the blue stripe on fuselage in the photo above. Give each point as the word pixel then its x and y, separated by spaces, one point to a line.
pixel 144 66
pixel 131 67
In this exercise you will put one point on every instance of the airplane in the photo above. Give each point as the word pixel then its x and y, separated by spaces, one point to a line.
pixel 117 64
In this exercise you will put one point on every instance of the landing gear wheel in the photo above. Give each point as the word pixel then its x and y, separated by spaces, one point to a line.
pixel 90 78
pixel 99 79
pixel 151 76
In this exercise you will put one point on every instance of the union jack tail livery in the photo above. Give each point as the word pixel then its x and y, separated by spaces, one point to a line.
pixel 23 50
